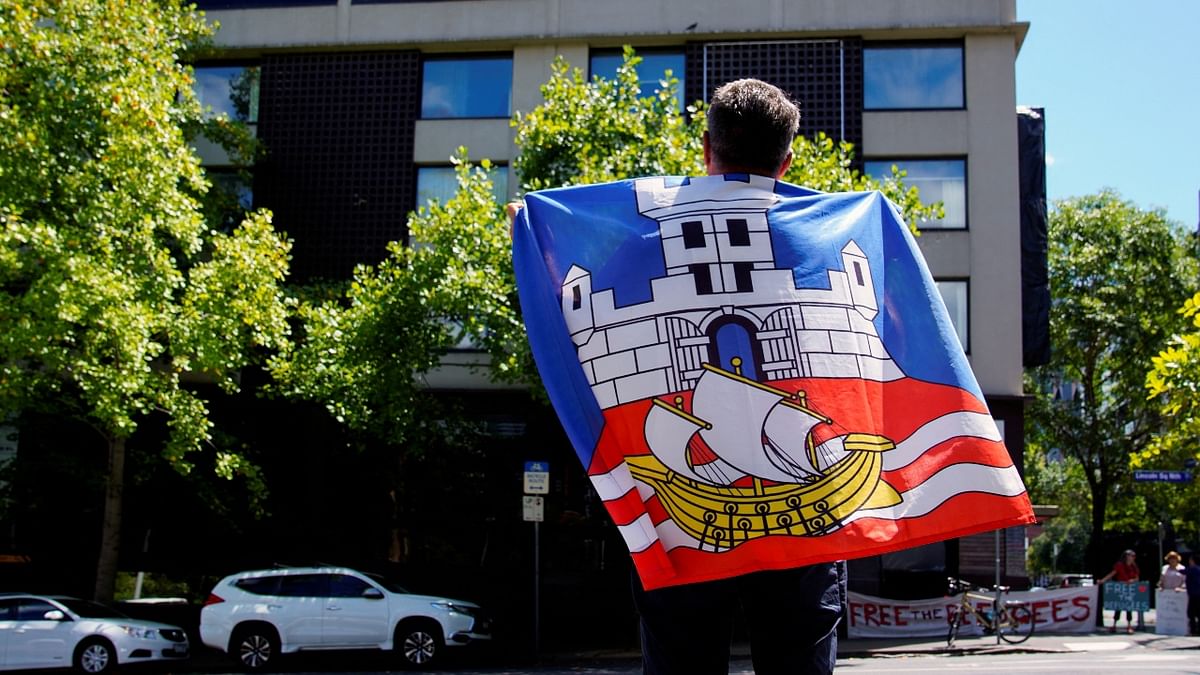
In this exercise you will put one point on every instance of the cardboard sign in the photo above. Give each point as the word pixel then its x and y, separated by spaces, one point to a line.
pixel 1132 596
pixel 1171 613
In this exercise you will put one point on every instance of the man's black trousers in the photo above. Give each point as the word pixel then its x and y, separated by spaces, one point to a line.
pixel 791 617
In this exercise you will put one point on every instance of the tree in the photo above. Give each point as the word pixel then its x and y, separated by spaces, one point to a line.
pixel 1173 384
pixel 363 352
pixel 114 290
pixel 1116 274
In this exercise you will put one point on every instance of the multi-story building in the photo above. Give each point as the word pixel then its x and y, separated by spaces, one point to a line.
pixel 360 104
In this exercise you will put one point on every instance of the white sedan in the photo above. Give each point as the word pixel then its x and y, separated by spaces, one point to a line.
pixel 50 631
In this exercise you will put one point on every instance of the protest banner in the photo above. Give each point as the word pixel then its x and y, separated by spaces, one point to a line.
pixel 1068 610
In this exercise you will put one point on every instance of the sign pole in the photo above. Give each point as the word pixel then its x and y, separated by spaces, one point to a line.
pixel 536 482
pixel 537 586
pixel 996 601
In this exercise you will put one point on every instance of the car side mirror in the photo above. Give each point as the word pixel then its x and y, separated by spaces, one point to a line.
pixel 373 594
pixel 54 615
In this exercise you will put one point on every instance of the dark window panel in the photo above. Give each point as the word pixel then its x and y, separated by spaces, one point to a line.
pixel 741 277
pixel 824 77
pixel 693 234
pixel 703 278
pixel 338 172
pixel 739 232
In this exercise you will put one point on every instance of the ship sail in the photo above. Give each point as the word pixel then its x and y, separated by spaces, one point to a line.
pixel 736 409
pixel 786 434
pixel 831 452
pixel 668 434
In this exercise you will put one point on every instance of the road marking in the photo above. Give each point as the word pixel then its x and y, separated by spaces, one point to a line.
pixel 1097 646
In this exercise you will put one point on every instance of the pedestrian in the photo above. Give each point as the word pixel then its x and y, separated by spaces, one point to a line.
pixel 1191 575
pixel 791 615
pixel 1124 570
pixel 1172 577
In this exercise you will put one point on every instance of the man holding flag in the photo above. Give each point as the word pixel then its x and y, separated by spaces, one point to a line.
pixel 760 380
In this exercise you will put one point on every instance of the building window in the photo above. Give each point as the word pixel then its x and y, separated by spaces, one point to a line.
pixel 693 234
pixel 441 182
pixel 576 297
pixel 651 71
pixel 467 88
pixel 955 293
pixel 741 277
pixel 231 91
pixel 739 232
pixel 229 198
pixel 939 180
pixel 913 76
pixel 703 276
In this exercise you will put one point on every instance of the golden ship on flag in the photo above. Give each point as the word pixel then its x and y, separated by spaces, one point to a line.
pixel 786 483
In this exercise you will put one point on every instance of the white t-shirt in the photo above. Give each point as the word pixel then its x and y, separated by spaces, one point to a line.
pixel 1172 577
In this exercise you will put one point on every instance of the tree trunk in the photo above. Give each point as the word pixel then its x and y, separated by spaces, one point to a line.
pixel 110 534
pixel 1095 552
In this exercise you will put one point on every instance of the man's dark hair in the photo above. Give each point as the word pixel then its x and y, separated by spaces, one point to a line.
pixel 751 125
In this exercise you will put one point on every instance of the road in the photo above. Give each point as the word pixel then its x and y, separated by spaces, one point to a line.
pixel 1102 660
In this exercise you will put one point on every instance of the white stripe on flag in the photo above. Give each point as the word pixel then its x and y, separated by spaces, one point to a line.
pixel 639 535
pixel 953 480
pixel 614 484
pixel 950 425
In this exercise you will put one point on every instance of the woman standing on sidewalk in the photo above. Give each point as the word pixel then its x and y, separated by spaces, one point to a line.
pixel 1172 574
pixel 1125 570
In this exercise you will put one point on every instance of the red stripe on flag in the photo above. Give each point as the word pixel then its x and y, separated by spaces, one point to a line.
pixel 953 451
pixel 626 508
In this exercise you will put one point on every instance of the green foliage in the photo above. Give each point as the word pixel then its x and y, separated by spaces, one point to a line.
pixel 1173 384
pixel 1116 274
pixel 1063 543
pixel 365 353
pixel 604 130
pixel 114 289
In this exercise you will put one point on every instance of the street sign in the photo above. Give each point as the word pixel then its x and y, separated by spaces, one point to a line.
pixel 1163 476
pixel 537 478
pixel 533 509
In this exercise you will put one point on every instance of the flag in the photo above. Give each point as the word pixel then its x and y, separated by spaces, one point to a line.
pixel 756 375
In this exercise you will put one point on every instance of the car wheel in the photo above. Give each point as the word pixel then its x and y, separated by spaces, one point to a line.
pixel 419 643
pixel 255 647
pixel 95 655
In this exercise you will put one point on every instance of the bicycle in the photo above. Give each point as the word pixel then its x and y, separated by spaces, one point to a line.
pixel 1013 622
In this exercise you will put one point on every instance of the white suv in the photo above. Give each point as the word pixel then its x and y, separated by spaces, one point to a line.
pixel 255 616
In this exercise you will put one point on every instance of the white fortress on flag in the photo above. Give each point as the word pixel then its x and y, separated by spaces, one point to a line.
pixel 723 298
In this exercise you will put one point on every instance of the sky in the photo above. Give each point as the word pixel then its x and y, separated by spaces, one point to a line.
pixel 1120 83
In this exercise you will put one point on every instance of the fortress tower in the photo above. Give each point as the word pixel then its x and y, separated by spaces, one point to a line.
pixel 716 241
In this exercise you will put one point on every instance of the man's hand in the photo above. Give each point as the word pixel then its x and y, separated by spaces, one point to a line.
pixel 511 210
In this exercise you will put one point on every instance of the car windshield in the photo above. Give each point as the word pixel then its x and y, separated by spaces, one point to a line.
pixel 388 584
pixel 90 610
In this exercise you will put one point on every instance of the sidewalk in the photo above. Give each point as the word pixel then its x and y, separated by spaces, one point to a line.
pixel 861 648
pixel 1100 640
